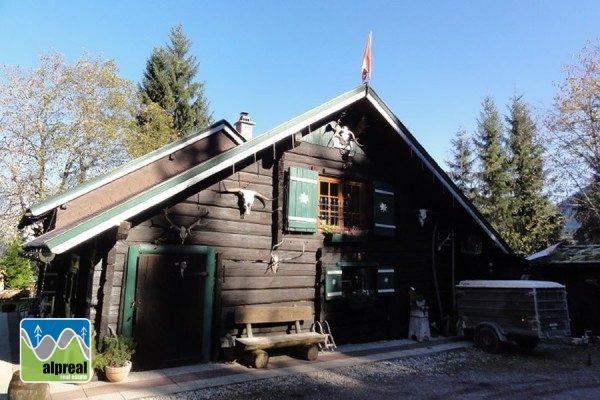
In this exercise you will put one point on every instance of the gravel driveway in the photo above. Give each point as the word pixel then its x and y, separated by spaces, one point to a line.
pixel 552 371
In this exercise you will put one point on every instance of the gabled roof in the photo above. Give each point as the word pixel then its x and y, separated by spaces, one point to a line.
pixel 61 240
pixel 62 198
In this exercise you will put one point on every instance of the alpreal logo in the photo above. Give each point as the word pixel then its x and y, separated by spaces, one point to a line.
pixel 55 350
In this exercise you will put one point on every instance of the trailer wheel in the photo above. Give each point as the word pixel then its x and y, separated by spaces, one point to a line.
pixel 487 339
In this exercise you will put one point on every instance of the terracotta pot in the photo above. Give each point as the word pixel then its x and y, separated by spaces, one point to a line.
pixel 117 374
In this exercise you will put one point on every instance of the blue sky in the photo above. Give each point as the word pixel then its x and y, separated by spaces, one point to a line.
pixel 433 61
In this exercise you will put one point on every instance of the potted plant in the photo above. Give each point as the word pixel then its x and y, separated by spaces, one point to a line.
pixel 115 358
pixel 336 234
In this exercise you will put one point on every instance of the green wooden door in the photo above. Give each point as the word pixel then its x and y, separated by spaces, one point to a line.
pixel 169 309
pixel 168 304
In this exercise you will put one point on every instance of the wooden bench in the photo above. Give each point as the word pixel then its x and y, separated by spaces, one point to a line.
pixel 253 348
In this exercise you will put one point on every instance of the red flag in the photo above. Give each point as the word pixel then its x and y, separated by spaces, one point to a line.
pixel 366 64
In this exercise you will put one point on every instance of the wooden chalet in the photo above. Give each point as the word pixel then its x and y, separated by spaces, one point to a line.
pixel 355 212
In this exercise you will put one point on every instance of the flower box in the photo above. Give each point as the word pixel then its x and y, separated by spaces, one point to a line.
pixel 343 238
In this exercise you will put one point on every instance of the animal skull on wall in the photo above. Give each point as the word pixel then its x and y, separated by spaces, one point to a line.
pixel 343 138
pixel 245 198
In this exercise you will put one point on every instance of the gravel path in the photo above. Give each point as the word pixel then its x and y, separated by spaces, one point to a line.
pixel 553 371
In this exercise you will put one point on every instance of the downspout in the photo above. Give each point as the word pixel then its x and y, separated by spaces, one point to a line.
pixel 453 277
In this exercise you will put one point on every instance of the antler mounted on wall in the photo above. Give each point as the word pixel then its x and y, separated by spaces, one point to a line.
pixel 274 261
pixel 184 231
pixel 343 138
pixel 245 198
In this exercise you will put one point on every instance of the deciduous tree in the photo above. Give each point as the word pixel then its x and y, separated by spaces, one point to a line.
pixel 573 125
pixel 60 125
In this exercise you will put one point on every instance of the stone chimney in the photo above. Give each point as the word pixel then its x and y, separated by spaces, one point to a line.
pixel 244 126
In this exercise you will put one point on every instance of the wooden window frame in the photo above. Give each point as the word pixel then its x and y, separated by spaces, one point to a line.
pixel 329 216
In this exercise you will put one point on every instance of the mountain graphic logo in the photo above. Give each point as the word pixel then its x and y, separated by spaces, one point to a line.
pixel 55 350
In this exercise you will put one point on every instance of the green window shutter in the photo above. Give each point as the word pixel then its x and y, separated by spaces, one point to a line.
pixel 383 210
pixel 385 281
pixel 333 282
pixel 302 207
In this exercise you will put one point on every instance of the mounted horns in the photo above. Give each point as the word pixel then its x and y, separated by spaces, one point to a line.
pixel 245 198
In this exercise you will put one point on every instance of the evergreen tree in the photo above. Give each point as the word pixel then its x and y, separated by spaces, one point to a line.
pixel 533 222
pixel 169 82
pixel 19 270
pixel 493 175
pixel 462 164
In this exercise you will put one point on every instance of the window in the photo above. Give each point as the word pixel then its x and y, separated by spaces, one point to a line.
pixel 341 204
pixel 338 206
pixel 358 281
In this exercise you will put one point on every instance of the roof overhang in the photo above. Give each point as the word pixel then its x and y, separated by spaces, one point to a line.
pixel 59 241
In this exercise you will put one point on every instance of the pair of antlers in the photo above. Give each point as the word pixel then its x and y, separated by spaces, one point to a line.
pixel 274 260
pixel 344 135
pixel 184 231
pixel 273 263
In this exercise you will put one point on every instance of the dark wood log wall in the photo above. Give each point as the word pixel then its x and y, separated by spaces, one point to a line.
pixel 243 246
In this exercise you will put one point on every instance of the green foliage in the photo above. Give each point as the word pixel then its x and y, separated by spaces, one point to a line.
pixel 155 129
pixel 535 222
pixel 588 219
pixel 169 82
pixel 508 185
pixel 117 350
pixel 573 127
pixel 61 125
pixel 462 164
pixel 19 270
pixel 493 200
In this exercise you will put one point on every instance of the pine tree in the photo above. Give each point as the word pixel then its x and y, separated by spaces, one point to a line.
pixel 19 270
pixel 534 222
pixel 493 176
pixel 462 164
pixel 169 82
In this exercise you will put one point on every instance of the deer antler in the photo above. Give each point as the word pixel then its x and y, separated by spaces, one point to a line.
pixel 184 231
pixel 197 222
pixel 273 263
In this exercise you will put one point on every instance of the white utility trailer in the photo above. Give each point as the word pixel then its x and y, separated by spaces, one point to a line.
pixel 520 311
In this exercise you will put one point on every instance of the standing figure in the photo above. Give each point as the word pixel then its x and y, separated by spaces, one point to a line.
pixel 418 325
